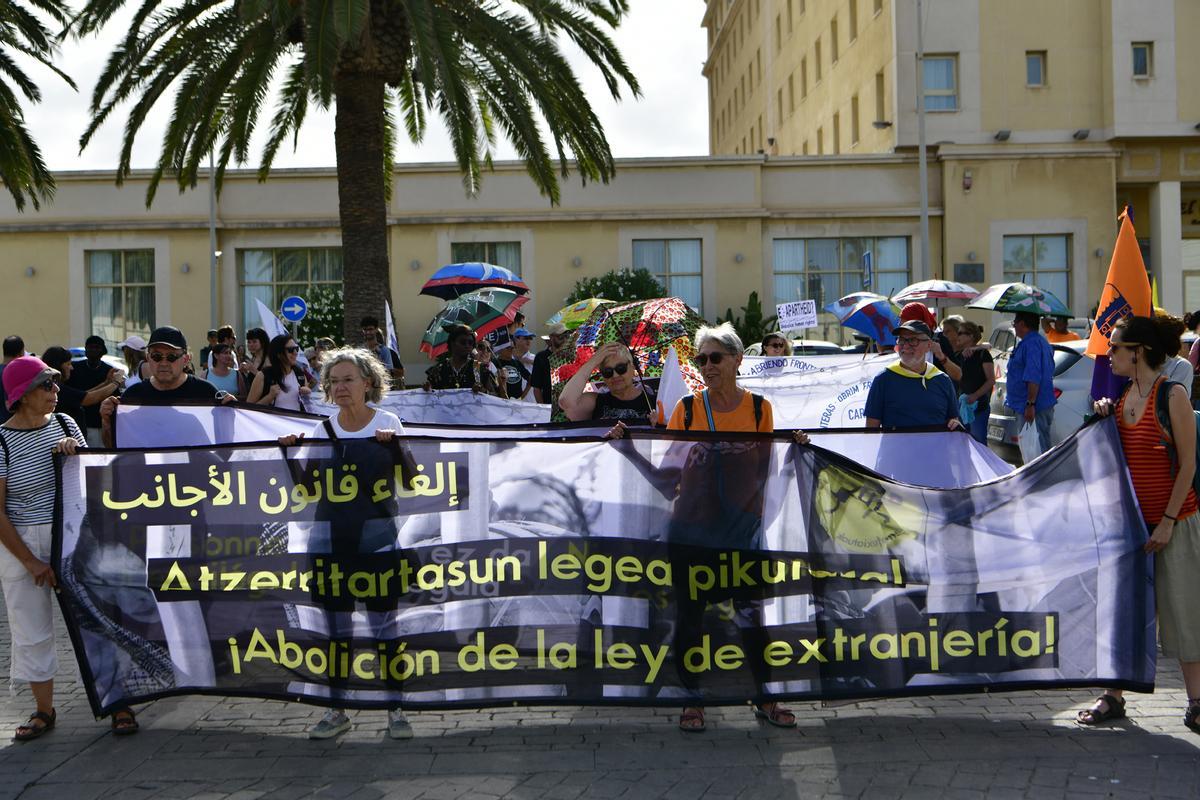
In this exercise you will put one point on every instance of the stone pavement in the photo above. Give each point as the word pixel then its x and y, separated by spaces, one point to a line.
pixel 1010 745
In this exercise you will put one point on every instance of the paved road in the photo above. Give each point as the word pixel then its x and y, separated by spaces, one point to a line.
pixel 1022 745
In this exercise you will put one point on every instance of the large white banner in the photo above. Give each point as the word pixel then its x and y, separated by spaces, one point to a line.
pixel 830 397
pixel 776 365
pixel 450 407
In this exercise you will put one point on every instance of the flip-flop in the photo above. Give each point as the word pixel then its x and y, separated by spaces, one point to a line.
pixel 28 732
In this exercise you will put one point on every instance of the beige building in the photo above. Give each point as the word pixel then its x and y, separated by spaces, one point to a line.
pixel 1045 118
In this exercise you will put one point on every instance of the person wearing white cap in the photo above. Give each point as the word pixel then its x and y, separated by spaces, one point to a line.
pixel 134 351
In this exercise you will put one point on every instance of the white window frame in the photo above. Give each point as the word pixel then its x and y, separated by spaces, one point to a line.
pixel 705 232
pixel 247 316
pixel 952 92
pixel 1040 56
pixel 1149 48
pixel 120 286
pixel 78 303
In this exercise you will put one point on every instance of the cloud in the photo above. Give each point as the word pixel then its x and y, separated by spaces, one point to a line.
pixel 661 40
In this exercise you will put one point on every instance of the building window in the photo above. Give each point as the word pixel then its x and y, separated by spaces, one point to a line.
pixel 833 41
pixel 804 151
pixel 820 141
pixel 779 104
pixel 827 269
pixel 803 6
pixel 676 264
pixel 792 92
pixel 1035 68
pixel 837 133
pixel 790 6
pixel 941 83
pixel 778 34
pixel 1143 59
pixel 501 254
pixel 852 20
pixel 854 120
pixel 272 275
pixel 1044 261
pixel 804 77
pixel 758 64
pixel 878 6
pixel 121 294
pixel 880 107
pixel 817 60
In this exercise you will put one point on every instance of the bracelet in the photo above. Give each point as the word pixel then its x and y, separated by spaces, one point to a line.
pixel 1173 519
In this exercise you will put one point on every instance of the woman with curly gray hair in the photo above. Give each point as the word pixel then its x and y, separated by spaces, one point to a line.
pixel 352 377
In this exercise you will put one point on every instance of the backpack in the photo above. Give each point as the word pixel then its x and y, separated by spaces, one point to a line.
pixel 1162 415
pixel 690 399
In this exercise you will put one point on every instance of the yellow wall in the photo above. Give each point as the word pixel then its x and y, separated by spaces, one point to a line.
pixel 35 307
pixel 1187 59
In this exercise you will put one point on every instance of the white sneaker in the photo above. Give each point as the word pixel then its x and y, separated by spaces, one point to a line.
pixel 398 727
pixel 334 722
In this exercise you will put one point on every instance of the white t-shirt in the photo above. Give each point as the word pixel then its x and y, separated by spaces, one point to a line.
pixel 289 393
pixel 383 420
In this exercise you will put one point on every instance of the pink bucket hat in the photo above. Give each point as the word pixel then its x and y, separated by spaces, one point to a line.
pixel 21 375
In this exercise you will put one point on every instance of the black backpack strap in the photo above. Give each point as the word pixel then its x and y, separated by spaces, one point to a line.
pixel 758 410
pixel 688 402
pixel 62 423
pixel 333 437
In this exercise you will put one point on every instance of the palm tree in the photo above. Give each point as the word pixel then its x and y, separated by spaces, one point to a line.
pixel 24 173
pixel 482 65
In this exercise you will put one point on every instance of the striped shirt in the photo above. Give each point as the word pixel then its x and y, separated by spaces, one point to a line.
pixel 27 467
pixel 1150 463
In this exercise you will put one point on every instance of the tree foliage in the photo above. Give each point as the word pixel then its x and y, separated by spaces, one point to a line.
pixel 619 285
pixel 22 31
pixel 752 326
pixel 326 311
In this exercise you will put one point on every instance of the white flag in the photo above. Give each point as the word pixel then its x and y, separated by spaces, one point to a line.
pixel 671 387
pixel 392 341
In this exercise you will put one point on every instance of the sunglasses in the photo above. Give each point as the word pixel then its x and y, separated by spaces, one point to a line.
pixel 48 385
pixel 292 349
pixel 619 369
pixel 170 357
pixel 909 341
pixel 1114 346
pixel 715 358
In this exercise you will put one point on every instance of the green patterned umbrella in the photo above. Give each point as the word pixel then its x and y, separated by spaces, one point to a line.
pixel 483 311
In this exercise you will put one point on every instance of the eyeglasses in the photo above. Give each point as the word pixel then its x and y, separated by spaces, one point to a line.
pixel 1114 346
pixel 48 385
pixel 619 369
pixel 292 349
pixel 703 359
pixel 910 341
pixel 170 357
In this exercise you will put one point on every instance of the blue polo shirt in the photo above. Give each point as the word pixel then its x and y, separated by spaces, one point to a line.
pixel 1031 362
pixel 901 401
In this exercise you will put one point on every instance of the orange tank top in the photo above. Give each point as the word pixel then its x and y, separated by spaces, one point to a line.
pixel 1150 463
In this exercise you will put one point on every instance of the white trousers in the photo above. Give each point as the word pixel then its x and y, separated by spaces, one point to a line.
pixel 30 609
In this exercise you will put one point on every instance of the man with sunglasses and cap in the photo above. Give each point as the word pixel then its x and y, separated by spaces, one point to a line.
pixel 626 397
pixel 913 393
pixel 168 383
pixel 542 388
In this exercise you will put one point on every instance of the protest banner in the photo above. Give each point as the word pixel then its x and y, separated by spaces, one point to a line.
pixel 832 397
pixel 797 315
pixel 962 461
pixel 448 407
pixel 471 573
pixel 754 366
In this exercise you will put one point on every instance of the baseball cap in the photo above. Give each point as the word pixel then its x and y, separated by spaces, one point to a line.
pixel 913 326
pixel 171 337
pixel 134 342
pixel 557 328
pixel 523 333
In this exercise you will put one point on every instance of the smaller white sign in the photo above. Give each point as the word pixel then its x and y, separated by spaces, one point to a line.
pixel 797 315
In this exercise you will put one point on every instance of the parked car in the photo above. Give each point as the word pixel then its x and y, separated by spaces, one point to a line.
pixel 1072 387
pixel 116 362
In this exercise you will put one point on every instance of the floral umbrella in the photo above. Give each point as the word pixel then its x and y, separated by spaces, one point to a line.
pixel 1012 298
pixel 648 327
pixel 454 280
pixel 576 314
pixel 483 311
pixel 937 293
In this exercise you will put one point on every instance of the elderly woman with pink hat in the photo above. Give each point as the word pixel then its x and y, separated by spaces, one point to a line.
pixel 28 441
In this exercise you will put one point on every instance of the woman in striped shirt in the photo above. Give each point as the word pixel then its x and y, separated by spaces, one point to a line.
pixel 28 441
pixel 1138 348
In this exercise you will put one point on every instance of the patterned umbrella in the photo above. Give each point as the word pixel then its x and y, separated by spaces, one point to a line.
pixel 454 280
pixel 874 315
pixel 576 314
pixel 842 308
pixel 482 311
pixel 936 292
pixel 648 327
pixel 1014 297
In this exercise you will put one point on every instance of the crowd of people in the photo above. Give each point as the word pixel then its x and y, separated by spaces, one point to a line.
pixel 944 377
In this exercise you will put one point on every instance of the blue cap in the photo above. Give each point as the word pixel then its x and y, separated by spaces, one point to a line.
pixel 523 333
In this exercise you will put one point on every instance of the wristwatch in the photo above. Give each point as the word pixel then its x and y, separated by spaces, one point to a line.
pixel 1030 402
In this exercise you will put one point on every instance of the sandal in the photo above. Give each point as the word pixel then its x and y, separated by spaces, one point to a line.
pixel 778 716
pixel 124 723
pixel 1191 716
pixel 29 731
pixel 1114 708
pixel 692 720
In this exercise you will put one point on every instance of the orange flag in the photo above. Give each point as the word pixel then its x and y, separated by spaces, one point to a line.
pixel 1126 289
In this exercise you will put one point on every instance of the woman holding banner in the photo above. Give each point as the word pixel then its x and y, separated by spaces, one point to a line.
pixel 351 378
pixel 626 398
pixel 1153 412
pixel 28 442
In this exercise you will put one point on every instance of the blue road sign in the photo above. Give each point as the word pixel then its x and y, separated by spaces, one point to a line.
pixel 293 308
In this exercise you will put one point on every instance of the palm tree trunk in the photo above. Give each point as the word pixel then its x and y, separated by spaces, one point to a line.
pixel 362 203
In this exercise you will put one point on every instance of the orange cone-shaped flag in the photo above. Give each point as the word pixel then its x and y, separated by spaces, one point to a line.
pixel 1126 289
